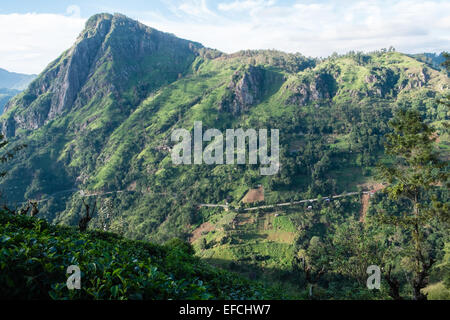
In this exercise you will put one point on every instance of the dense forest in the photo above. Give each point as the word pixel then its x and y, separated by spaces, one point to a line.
pixel 103 134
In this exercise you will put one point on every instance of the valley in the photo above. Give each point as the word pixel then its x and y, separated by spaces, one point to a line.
pixel 97 124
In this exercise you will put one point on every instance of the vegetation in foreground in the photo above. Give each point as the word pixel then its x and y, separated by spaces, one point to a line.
pixel 34 257
pixel 110 142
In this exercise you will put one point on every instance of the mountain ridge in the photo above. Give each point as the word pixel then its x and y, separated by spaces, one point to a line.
pixel 14 80
pixel 96 87
pixel 99 119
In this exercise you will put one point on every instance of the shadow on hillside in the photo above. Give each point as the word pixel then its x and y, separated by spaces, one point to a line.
pixel 291 282
pixel 253 271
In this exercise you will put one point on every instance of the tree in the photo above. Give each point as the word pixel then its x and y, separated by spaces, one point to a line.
pixel 354 248
pixel 415 173
pixel 6 156
pixel 84 220
pixel 446 63
pixel 313 261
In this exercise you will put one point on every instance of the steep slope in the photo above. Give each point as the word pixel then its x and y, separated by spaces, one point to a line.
pixel 99 116
pixel 114 58
pixel 14 80
pixel 12 83
pixel 89 90
pixel 5 96
pixel 98 121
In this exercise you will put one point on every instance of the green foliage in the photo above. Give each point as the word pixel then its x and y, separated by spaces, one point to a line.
pixel 113 143
pixel 417 169
pixel 7 155
pixel 34 256
pixel 5 96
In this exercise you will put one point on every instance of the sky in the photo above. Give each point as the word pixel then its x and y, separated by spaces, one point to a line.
pixel 33 33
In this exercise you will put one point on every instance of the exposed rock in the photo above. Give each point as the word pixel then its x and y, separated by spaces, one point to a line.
pixel 371 78
pixel 245 90
pixel 381 82
pixel 9 127
pixel 65 76
pixel 323 86
pixel 415 80
pixel 301 94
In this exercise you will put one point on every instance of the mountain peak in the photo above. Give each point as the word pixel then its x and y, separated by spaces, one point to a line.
pixel 93 20
pixel 97 21
pixel 112 55
pixel 100 20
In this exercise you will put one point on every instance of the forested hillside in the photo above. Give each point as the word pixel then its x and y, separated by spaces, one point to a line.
pixel 97 124
pixel 14 80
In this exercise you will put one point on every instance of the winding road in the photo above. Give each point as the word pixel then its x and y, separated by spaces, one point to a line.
pixel 283 204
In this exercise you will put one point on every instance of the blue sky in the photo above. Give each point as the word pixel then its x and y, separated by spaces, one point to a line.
pixel 33 33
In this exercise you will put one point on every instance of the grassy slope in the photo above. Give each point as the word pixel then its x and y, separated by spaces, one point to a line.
pixel 195 96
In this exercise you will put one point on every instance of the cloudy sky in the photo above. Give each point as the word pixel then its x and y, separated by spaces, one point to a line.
pixel 33 33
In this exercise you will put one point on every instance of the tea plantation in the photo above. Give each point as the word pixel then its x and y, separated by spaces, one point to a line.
pixel 34 257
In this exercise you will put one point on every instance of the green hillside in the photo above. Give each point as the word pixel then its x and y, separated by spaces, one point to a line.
pixel 34 257
pixel 98 120
pixel 14 80
pixel 5 96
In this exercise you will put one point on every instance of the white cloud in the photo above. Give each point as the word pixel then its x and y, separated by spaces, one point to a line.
pixel 245 5
pixel 195 8
pixel 29 42
pixel 318 29
pixel 74 11
pixel 312 28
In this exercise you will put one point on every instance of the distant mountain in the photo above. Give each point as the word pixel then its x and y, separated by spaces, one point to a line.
pixel 13 80
pixel 12 83
pixel 432 59
pixel 98 120
pixel 5 96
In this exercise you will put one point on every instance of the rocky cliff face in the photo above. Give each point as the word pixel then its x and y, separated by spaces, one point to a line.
pixel 383 82
pixel 119 58
pixel 244 90
pixel 100 117
pixel 321 87
pixel 112 53
pixel 62 80
pixel 378 82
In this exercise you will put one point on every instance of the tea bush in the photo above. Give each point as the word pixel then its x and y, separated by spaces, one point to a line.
pixel 34 257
